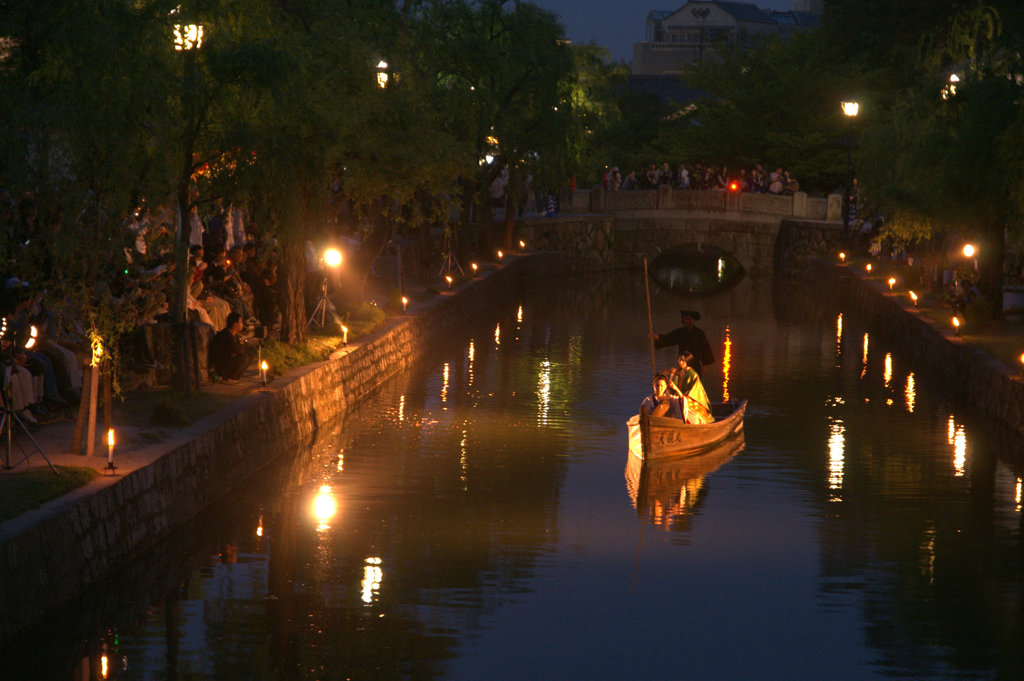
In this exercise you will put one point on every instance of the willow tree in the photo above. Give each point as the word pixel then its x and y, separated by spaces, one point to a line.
pixel 82 91
pixel 946 152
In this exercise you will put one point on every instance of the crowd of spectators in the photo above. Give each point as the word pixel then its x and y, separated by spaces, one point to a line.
pixel 705 177
pixel 232 283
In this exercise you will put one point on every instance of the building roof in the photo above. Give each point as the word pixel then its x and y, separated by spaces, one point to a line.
pixel 745 11
pixel 793 18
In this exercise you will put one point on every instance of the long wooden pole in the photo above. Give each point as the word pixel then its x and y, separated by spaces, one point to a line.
pixel 650 323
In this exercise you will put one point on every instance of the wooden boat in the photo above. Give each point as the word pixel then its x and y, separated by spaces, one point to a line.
pixel 668 436
pixel 669 488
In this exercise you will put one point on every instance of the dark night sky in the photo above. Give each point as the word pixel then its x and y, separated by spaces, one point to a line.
pixel 617 24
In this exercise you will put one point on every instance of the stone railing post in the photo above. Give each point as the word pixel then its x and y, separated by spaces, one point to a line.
pixel 835 207
pixel 800 204
pixel 664 199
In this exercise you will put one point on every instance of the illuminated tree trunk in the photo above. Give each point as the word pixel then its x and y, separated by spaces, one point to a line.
pixel 293 286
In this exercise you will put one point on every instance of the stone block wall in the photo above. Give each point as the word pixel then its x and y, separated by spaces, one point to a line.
pixel 46 565
pixel 973 377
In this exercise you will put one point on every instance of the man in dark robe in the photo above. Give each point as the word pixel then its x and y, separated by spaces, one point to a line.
pixel 690 339
pixel 229 357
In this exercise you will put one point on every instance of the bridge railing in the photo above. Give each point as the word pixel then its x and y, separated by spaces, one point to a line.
pixel 799 205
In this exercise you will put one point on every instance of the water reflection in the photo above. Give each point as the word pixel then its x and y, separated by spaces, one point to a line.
pixel 478 504
pixel 666 492
pixel 699 269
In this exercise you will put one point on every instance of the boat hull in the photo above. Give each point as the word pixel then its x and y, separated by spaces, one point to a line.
pixel 671 437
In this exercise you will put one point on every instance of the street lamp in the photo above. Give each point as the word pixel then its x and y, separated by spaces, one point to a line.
pixel 187 39
pixel 382 74
pixel 850 110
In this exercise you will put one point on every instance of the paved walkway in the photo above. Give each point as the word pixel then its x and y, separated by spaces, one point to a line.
pixel 137 445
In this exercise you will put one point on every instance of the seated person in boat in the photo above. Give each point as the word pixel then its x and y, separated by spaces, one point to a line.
pixel 662 402
pixel 685 381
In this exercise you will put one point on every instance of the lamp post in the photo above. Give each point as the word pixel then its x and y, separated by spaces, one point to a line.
pixel 702 14
pixel 188 38
pixel 850 110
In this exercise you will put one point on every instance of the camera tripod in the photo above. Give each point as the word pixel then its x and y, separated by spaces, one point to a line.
pixel 319 316
pixel 8 419
pixel 450 263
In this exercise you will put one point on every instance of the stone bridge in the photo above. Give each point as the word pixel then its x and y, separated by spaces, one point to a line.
pixel 620 228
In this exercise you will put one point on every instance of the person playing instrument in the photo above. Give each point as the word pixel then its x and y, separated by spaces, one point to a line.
pixel 662 402
pixel 685 381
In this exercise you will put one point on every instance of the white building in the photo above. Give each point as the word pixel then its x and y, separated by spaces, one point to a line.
pixel 689 34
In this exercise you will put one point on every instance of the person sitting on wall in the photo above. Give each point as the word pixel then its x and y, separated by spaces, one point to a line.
pixel 696 407
pixel 662 402
pixel 228 355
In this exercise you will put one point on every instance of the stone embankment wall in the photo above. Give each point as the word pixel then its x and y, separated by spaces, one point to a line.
pixel 46 565
pixel 989 386
pixel 603 241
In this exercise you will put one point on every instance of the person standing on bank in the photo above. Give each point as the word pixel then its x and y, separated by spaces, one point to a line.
pixel 688 338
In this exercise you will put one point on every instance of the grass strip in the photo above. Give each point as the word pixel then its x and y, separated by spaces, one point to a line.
pixel 26 490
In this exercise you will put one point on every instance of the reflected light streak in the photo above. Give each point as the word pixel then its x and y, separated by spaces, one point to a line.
pixel 721 269
pixel 911 393
pixel 836 457
pixel 726 364
pixel 544 392
pixel 444 384
pixel 324 507
pixel 463 459
pixel 341 461
pixel 960 452
pixel 928 547
pixel 519 314
pixel 497 334
pixel 1016 494
pixel 469 366
pixel 401 408
pixel 839 336
pixel 950 430
pixel 259 526
pixel 104 666
pixel 864 361
pixel 888 368
pixel 373 575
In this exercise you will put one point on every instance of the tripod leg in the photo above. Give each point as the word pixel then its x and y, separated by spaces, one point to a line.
pixel 4 421
pixel 11 419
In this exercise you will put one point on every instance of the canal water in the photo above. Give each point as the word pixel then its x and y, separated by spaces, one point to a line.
pixel 477 519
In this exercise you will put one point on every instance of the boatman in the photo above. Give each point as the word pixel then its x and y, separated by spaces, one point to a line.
pixel 690 339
